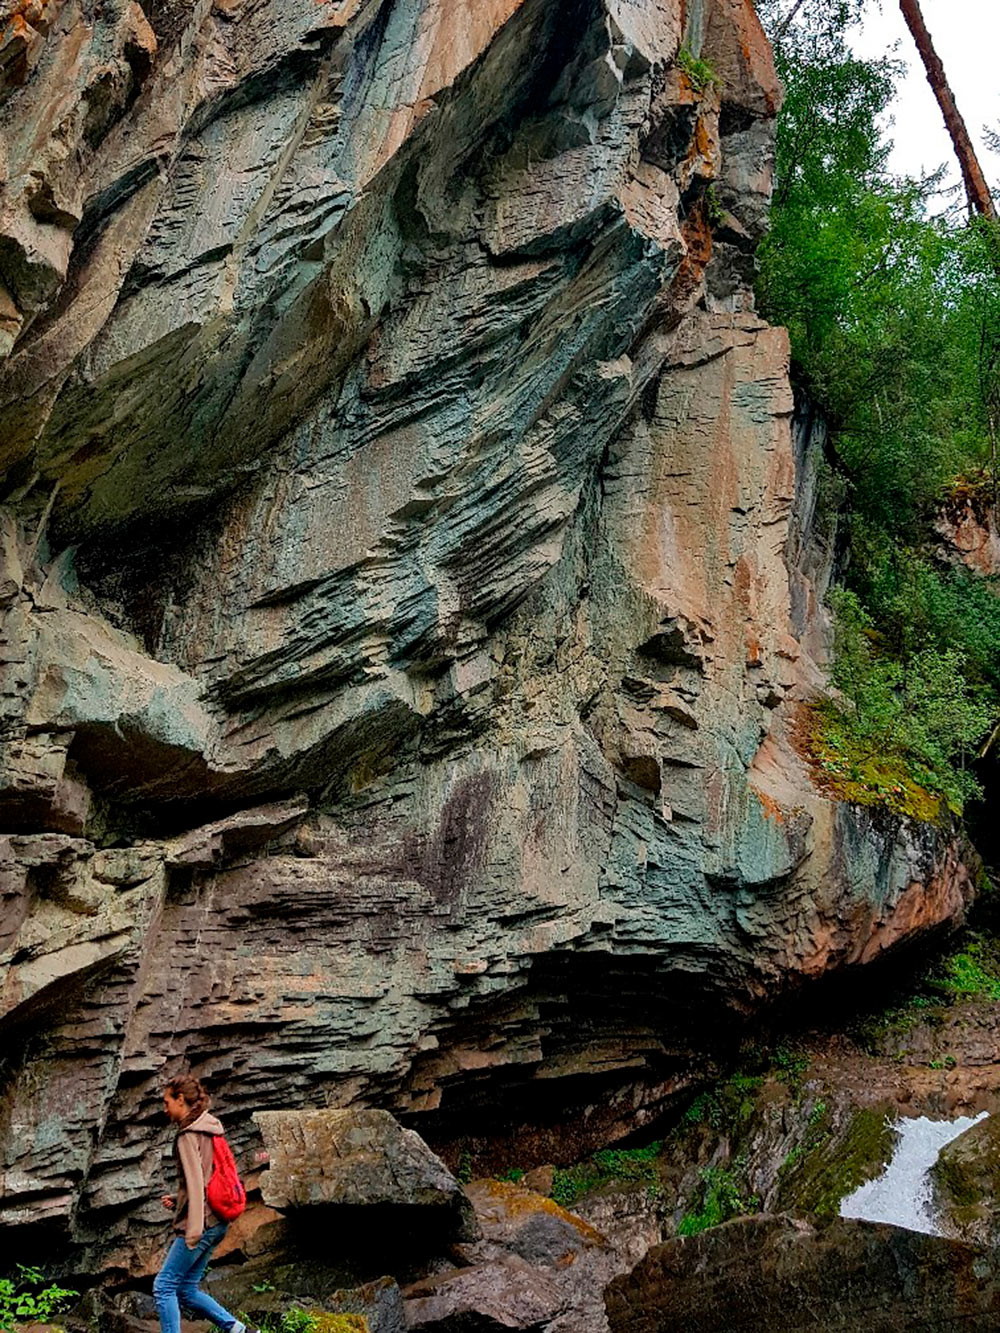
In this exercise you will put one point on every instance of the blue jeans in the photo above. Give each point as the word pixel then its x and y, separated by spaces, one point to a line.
pixel 176 1283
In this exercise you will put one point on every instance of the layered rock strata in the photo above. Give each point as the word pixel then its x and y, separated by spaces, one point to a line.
pixel 407 577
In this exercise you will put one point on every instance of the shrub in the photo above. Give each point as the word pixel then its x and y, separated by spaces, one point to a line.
pixel 900 723
pixel 700 72
pixel 721 1198
pixel 610 1164
pixel 25 1300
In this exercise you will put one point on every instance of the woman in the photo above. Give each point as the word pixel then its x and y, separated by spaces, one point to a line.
pixel 198 1229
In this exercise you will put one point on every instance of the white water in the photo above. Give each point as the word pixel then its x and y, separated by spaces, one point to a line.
pixel 902 1194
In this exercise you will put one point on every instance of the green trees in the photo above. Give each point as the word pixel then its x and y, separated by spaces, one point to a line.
pixel 894 317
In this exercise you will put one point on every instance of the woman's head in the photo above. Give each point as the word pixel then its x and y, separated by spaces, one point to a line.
pixel 184 1096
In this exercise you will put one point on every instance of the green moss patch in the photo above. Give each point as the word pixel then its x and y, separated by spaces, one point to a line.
pixel 611 1165
pixel 829 1167
pixel 848 771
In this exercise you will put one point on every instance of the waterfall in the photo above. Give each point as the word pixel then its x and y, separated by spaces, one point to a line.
pixel 902 1194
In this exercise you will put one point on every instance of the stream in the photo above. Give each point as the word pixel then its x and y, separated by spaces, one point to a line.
pixel 902 1194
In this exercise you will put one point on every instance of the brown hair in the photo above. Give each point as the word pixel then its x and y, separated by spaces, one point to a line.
pixel 193 1092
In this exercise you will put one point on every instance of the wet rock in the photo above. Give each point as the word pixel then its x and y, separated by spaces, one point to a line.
pixel 966 1184
pixel 348 1161
pixel 775 1272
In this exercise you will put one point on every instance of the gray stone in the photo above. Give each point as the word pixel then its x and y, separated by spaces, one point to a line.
pixel 486 1298
pixel 359 1160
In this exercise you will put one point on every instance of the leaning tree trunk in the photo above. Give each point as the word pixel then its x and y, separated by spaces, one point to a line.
pixel 976 188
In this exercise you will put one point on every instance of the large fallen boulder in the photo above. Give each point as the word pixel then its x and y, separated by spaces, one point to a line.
pixel 361 1162
pixel 772 1271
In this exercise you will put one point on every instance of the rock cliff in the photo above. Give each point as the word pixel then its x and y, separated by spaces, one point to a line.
pixel 409 579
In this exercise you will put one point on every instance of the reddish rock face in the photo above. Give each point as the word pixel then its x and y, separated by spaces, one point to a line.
pixel 408 577
pixel 969 535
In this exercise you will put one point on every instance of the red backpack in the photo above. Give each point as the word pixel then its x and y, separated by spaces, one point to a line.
pixel 225 1193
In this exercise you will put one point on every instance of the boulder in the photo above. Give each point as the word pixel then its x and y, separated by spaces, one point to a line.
pixel 774 1272
pixel 520 1222
pixel 486 1298
pixel 379 1304
pixel 364 1161
pixel 570 1260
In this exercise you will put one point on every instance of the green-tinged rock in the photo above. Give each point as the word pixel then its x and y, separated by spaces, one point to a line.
pixel 832 1164
pixel 966 1183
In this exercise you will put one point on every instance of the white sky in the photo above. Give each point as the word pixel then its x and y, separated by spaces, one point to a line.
pixel 966 35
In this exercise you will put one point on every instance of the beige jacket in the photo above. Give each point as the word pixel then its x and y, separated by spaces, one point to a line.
pixel 194 1154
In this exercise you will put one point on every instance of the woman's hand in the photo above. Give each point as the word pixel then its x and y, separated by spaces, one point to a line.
pixel 169 1202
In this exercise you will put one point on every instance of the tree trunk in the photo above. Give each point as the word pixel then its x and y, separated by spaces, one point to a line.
pixel 976 188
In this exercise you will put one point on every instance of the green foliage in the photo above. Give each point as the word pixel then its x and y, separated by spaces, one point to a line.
pixel 919 709
pixel 894 318
pixel 727 1105
pixel 463 1172
pixel 297 1321
pixel 721 1197
pixel 628 1165
pixel 716 213
pixel 816 1114
pixel 700 1109
pixel 24 1299
pixel 973 972
pixel 919 606
pixel 515 1175
pixel 790 1064
pixel 700 72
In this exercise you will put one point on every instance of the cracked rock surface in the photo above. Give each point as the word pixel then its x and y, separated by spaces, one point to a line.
pixel 410 573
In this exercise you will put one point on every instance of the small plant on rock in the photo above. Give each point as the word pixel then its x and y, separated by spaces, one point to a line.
pixel 700 72
pixel 463 1172
pixel 628 1165
pixel 972 972
pixel 24 1300
pixel 298 1320
pixel 722 1197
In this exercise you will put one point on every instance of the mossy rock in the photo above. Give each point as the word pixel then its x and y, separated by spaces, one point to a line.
pixel 966 1183
pixel 338 1323
pixel 838 1162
